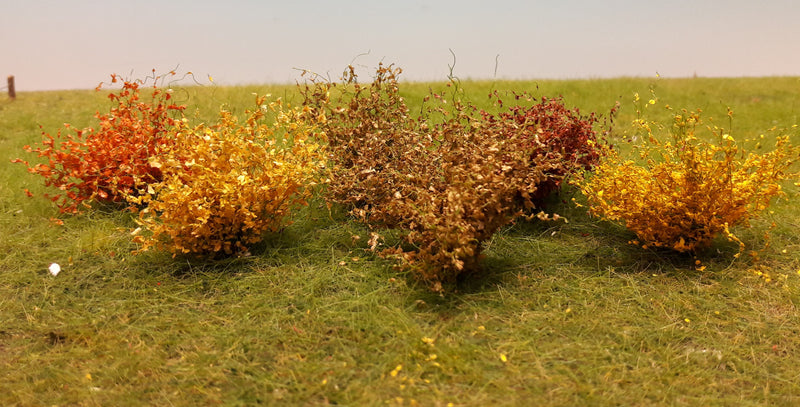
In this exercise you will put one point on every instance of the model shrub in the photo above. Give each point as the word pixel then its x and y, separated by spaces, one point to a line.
pixel 106 162
pixel 449 177
pixel 468 195
pixel 681 189
pixel 563 134
pixel 375 146
pixel 225 185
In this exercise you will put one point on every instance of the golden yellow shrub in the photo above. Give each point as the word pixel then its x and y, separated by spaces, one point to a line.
pixel 227 184
pixel 682 193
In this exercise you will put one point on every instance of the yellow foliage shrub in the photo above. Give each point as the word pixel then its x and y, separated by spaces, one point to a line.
pixel 227 184
pixel 682 193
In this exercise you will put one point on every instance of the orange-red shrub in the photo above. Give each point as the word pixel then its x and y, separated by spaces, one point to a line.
pixel 106 163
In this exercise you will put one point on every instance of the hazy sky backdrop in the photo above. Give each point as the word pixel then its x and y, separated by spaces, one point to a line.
pixel 68 44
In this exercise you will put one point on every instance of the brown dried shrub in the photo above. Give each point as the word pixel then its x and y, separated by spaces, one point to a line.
pixel 450 178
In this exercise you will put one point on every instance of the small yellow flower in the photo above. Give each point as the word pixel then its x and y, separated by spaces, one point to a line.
pixel 503 357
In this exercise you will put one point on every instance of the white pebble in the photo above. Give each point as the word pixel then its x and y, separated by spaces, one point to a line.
pixel 54 269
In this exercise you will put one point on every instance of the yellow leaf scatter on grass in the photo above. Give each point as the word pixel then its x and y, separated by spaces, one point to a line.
pixel 396 370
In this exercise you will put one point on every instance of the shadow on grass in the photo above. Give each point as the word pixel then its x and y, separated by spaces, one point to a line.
pixel 322 245
pixel 588 245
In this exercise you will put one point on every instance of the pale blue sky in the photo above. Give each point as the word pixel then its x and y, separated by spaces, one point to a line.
pixel 53 44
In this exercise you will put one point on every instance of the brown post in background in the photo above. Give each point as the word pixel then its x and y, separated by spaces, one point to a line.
pixel 12 93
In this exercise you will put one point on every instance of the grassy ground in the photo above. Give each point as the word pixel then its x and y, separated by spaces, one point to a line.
pixel 563 314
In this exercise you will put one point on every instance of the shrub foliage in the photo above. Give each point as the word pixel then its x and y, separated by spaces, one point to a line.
pixel 562 134
pixel 683 192
pixel 225 185
pixel 450 178
pixel 105 163
pixel 376 148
